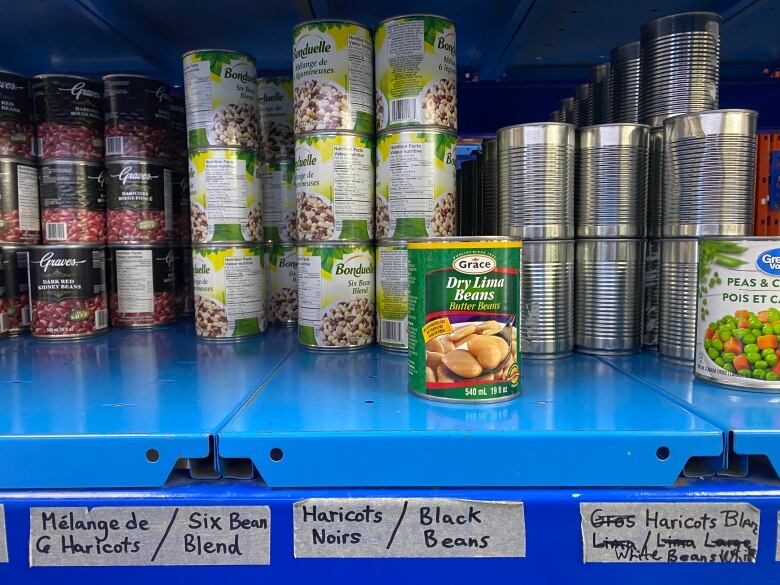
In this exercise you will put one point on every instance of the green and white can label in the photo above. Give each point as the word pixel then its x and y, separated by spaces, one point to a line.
pixel 277 188
pixel 282 279
pixel 738 316
pixel 392 296
pixel 464 295
pixel 275 113
pixel 336 295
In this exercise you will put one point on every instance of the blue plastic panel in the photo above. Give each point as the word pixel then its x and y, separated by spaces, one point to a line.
pixel 346 419
pixel 84 413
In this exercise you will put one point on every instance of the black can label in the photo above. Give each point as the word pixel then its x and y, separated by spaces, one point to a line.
pixel 137 99
pixel 138 185
pixel 15 99
pixel 68 100
pixel 58 274
pixel 71 185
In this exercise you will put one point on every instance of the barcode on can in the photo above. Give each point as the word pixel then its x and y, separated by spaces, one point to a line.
pixel 3 322
pixel 56 231
pixel 115 145
pixel 392 331
pixel 101 319
pixel 403 110
pixel 25 316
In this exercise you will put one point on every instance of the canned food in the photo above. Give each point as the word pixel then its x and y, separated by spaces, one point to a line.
pixel 547 296
pixel 220 91
pixel 392 296
pixel 677 304
pixel 182 264
pixel 282 277
pixel 17 288
pixel 277 185
pixel 336 295
pixel 225 203
pixel 416 74
pixel 229 286
pixel 180 195
pixel 177 130
pixel 608 309
pixel 738 312
pixel 652 293
pixel 73 201
pixel 19 208
pixel 143 285
pixel 3 296
pixel 138 116
pixel 68 290
pixel 464 300
pixel 16 115
pixel 68 117
pixel 139 201
pixel 415 183
pixel 334 185
pixel 275 114
pixel 333 76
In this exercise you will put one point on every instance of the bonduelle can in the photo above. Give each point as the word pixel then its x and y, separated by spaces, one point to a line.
pixel 282 289
pixel 336 295
pixel 275 116
pixel 464 299
pixel 392 296
pixel 738 312
pixel 277 188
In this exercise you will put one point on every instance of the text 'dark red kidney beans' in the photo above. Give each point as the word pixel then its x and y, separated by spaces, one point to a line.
pixel 139 201
pixel 180 187
pixel 73 201
pixel 16 287
pixel 143 288
pixel 68 290
pixel 19 215
pixel 16 115
pixel 185 301
pixel 137 114
pixel 68 117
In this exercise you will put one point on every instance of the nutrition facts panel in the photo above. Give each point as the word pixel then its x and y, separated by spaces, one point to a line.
pixel 197 83
pixel 352 173
pixel 27 178
pixel 309 290
pixel 361 59
pixel 134 281
pixel 272 197
pixel 226 188
pixel 411 179
pixel 243 278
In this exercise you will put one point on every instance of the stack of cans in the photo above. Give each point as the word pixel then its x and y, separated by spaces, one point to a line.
pixel 624 83
pixel 599 95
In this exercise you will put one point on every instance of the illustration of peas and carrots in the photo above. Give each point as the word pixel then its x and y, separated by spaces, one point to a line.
pixel 747 344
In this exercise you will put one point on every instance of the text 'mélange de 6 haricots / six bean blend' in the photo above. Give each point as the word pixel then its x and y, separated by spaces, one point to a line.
pixel 464 296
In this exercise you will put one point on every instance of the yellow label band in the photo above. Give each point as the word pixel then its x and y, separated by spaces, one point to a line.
pixel 435 328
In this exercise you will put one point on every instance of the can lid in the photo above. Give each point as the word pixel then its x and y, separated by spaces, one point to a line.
pixel 417 130
pixel 140 245
pixel 232 51
pixel 17 159
pixel 70 161
pixel 68 246
pixel 221 149
pixel 414 15
pixel 112 76
pixel 225 245
pixel 334 244
pixel 137 160
pixel 330 20
pixel 9 72
pixel 311 133
pixel 65 76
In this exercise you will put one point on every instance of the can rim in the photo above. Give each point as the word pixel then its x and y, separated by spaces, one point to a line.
pixel 17 159
pixel 10 72
pixel 223 245
pixel 65 75
pixel 334 243
pixel 157 161
pixel 614 124
pixel 220 148
pixel 69 245
pixel 736 238
pixel 390 243
pixel 310 133
pixel 532 124
pixel 140 245
pixel 14 246
pixel 75 161
pixel 210 50
pixel 134 75
pixel 709 112
pixel 333 20
pixel 417 129
pixel 414 15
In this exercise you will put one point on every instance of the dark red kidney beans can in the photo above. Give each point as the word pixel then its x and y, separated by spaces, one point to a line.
pixel 138 115
pixel 20 220
pixel 180 186
pixel 16 115
pixel 177 131
pixel 143 285
pixel 68 117
pixel 139 201
pixel 73 201
pixel 3 296
pixel 17 288
pixel 68 290
pixel 185 300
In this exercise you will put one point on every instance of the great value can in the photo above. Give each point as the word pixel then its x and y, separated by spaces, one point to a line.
pixel 225 203
pixel 275 114
pixel 464 299
pixel 392 296
pixel 738 313
pixel 416 72
pixel 282 279
pixel 19 211
pixel 229 284
pixel 333 76
pixel 220 92
pixel 336 295
pixel 334 184
pixel 277 186
pixel 415 184
pixel 17 288
pixel 16 115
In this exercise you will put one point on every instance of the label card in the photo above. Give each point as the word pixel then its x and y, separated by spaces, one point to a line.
pixel 408 528
pixel 669 532
pixel 3 538
pixel 113 536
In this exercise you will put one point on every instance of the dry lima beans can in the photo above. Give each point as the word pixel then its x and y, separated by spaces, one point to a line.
pixel 282 278
pixel 220 94
pixel 415 184
pixel 333 76
pixel 392 296
pixel 334 184
pixel 416 72
pixel 17 288
pixel 19 211
pixel 229 284
pixel 336 295
pixel 280 212
pixel 738 312
pixel 464 301
pixel 275 115
pixel 225 203
pixel 68 290
pixel 143 288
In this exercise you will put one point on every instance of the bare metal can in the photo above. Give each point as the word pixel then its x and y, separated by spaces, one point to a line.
pixel 652 293
pixel 677 305
pixel 392 295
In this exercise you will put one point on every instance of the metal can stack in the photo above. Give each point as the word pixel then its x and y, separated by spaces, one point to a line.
pixel 624 83
pixel 600 97
pixel 677 305
pixel 583 95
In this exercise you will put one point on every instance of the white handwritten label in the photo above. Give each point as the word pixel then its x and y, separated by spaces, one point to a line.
pixel 3 540
pixel 130 536
pixel 669 533
pixel 408 528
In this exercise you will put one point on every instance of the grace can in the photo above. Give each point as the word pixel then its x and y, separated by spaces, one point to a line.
pixel 68 293
pixel 464 296
pixel 415 184
pixel 280 212
pixel 275 116
pixel 738 313
pixel 19 207
pixel 392 296
pixel 229 285
pixel 336 295
pixel 16 115
pixel 225 203
pixel 17 288
pixel 282 279
pixel 416 72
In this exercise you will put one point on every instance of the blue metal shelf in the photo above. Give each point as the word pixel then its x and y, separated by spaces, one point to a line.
pixel 86 413
pixel 346 419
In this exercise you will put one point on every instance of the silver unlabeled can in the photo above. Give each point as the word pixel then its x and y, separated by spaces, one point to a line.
pixel 652 293
pixel 677 305
pixel 655 184
pixel 392 295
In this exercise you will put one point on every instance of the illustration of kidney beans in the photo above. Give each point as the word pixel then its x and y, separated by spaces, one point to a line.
pixel 164 312
pixel 137 140
pixel 128 225
pixel 69 141
pixel 51 319
pixel 16 139
pixel 18 306
pixel 81 225
pixel 3 317
pixel 10 232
